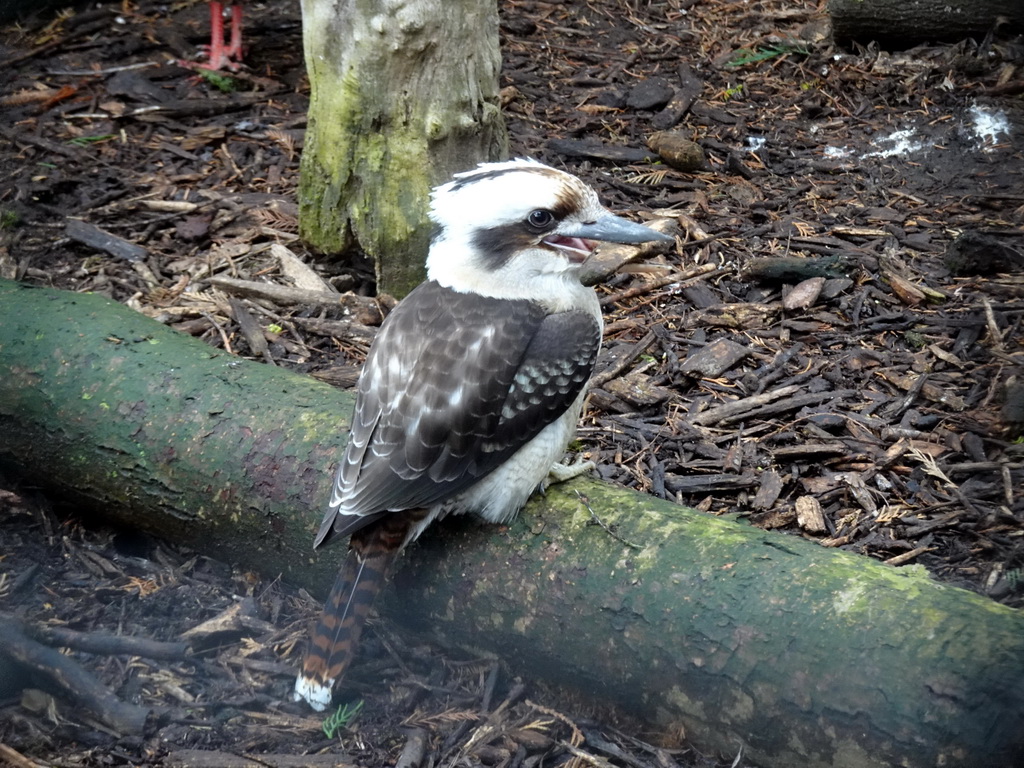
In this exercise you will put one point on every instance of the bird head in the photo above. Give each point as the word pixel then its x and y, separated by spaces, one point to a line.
pixel 517 229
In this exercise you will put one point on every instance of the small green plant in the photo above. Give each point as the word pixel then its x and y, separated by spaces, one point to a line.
pixel 1015 578
pixel 8 219
pixel 341 718
pixel 735 91
pixel 915 340
pixel 84 141
pixel 746 56
pixel 221 82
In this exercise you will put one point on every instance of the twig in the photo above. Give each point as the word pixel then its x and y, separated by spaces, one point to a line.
pixel 577 736
pixel 71 678
pixel 489 685
pixel 760 406
pixel 627 359
pixel 37 141
pixel 280 295
pixel 585 757
pixel 104 70
pixel 993 327
pixel 906 557
pixel 105 644
pixel 13 758
pixel 586 503
pixel 683 279
pixel 415 749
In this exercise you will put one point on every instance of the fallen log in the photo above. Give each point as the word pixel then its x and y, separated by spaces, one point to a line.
pixel 901 24
pixel 803 655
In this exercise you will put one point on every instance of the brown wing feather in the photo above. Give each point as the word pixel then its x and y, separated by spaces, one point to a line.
pixel 454 384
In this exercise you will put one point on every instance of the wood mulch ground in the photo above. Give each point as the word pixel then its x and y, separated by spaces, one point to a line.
pixel 834 349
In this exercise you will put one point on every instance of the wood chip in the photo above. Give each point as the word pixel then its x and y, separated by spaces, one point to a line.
pixel 15 759
pixel 945 356
pixel 860 492
pixel 807 450
pixel 169 206
pixel 934 392
pixel 768 492
pixel 300 273
pixel 638 390
pixel 714 359
pixel 595 150
pixel 809 514
pixel 843 231
pixel 792 269
pixel 749 316
pixel 705 483
pixel 905 290
pixel 251 330
pixel 804 294
pixel 94 237
pixel 763 405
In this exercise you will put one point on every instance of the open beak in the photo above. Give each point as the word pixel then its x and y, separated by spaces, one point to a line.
pixel 577 240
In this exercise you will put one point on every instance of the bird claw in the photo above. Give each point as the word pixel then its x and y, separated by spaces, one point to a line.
pixel 218 54
pixel 214 60
pixel 559 472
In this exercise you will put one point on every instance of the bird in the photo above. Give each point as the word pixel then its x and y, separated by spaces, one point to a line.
pixel 473 386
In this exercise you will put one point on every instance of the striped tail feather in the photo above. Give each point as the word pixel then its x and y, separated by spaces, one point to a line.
pixel 334 640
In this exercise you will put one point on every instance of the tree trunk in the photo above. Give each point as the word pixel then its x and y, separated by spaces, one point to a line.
pixel 903 24
pixel 403 95
pixel 803 655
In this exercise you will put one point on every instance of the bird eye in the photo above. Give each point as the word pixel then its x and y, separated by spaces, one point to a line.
pixel 540 219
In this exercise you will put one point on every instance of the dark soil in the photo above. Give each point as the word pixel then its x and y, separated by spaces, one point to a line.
pixel 834 349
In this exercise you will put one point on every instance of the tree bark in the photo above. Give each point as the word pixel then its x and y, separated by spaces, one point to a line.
pixel 403 95
pixel 803 655
pixel 903 24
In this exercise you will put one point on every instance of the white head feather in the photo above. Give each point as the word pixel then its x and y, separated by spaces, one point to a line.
pixel 495 197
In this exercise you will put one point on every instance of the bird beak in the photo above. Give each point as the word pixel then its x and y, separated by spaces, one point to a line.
pixel 615 229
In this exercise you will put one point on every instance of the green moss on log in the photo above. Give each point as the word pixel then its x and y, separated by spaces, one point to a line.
pixel 804 655
pixel 107 407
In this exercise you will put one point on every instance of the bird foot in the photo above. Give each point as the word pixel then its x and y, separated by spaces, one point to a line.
pixel 215 60
pixel 196 66
pixel 559 472
pixel 218 55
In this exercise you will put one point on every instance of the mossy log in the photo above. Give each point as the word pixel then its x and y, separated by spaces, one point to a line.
pixel 901 24
pixel 800 654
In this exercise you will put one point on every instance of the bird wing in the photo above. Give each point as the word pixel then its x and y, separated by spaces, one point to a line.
pixel 454 384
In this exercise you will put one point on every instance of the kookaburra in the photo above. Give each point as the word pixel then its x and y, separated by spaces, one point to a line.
pixel 473 386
